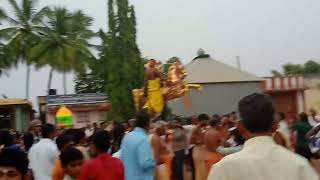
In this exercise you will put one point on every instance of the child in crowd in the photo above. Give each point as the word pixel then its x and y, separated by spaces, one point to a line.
pixel 63 142
pixel 72 160
pixel 13 164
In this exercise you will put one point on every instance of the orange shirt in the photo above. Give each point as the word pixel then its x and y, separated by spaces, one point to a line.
pixel 212 158
pixel 58 172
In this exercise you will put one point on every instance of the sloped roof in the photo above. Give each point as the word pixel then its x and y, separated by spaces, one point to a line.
pixel 204 69
pixel 14 101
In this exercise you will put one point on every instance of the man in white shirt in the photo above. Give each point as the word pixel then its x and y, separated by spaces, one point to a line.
pixel 261 158
pixel 89 131
pixel 43 154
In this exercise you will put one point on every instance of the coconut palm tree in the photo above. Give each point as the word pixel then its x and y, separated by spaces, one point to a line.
pixel 64 43
pixel 22 32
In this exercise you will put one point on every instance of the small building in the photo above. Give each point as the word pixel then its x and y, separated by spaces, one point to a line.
pixel 15 113
pixel 85 108
pixel 312 94
pixel 287 93
pixel 223 87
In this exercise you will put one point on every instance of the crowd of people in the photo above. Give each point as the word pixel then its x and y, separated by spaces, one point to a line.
pixel 254 143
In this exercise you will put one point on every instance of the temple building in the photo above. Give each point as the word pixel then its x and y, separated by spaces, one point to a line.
pixel 287 93
pixel 84 108
pixel 223 86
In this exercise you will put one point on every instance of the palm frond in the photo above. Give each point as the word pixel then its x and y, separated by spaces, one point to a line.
pixel 103 36
pixel 3 14
pixel 7 58
pixel 59 20
pixel 81 20
pixel 38 17
pixel 43 30
pixel 38 51
pixel 12 21
pixel 7 33
pixel 15 45
pixel 80 24
pixel 18 12
pixel 94 46
pixel 28 8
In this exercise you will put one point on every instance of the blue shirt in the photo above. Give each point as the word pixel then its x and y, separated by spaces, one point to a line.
pixel 137 156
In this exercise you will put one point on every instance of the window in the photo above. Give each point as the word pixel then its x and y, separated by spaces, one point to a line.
pixel 83 117
pixel 102 115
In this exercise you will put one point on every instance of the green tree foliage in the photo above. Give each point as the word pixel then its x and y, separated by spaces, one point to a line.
pixel 53 37
pixel 293 69
pixel 275 73
pixel 3 14
pixel 121 63
pixel 6 58
pixel 310 67
pixel 64 42
pixel 89 83
pixel 22 34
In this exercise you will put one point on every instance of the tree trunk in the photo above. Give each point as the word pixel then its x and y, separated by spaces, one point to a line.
pixel 64 79
pixel 50 80
pixel 28 80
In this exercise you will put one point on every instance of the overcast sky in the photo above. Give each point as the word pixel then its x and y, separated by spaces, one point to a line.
pixel 264 33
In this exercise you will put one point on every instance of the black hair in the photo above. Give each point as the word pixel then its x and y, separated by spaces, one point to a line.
pixel 282 115
pixel 27 140
pixel 216 116
pixel 303 117
pixel 142 119
pixel 226 116
pixel 78 135
pixel 256 112
pixel 214 122
pixel 102 123
pixel 16 135
pixel 238 138
pixel 117 134
pixel 47 129
pixel 118 131
pixel 203 117
pixel 6 138
pixel 188 120
pixel 14 158
pixel 102 140
pixel 180 159
pixel 70 154
pixel 70 131
pixel 62 140
pixel 176 119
